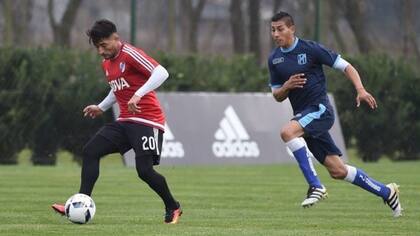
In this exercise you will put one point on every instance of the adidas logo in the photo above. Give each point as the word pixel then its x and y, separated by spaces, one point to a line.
pixel 171 148
pixel 232 138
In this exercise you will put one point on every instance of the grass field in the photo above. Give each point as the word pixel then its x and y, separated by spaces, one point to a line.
pixel 217 200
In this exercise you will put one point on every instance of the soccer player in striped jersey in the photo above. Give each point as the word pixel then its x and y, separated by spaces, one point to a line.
pixel 133 76
pixel 296 73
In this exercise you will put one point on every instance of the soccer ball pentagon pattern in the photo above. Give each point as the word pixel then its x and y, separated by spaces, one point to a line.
pixel 80 208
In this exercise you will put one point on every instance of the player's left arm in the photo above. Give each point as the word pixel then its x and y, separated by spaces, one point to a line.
pixel 157 77
pixel 352 74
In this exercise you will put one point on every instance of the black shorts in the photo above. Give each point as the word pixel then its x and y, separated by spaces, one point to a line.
pixel 145 140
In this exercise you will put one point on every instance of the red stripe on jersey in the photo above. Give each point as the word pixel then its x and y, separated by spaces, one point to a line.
pixel 139 58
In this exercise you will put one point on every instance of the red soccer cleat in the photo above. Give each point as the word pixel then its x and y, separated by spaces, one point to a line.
pixel 172 216
pixel 59 208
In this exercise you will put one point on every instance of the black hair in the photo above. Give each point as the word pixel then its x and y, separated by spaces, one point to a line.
pixel 100 30
pixel 283 16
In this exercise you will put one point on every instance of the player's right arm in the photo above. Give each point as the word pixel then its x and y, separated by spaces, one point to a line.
pixel 96 110
pixel 295 81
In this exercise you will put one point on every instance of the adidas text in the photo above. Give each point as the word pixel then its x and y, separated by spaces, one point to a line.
pixel 232 139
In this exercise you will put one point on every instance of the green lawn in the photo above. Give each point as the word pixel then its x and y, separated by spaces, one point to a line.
pixel 217 200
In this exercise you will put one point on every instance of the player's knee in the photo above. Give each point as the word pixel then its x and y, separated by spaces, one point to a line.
pixel 88 151
pixel 145 174
pixel 286 134
pixel 338 173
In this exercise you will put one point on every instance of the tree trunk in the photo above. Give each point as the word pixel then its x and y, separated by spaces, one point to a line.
pixel 171 25
pixel 191 18
pixel 276 6
pixel 254 28
pixel 8 22
pixel 335 12
pixel 308 26
pixel 62 30
pixel 237 24
pixel 276 9
pixel 410 47
pixel 22 17
pixel 356 16
pixel 17 16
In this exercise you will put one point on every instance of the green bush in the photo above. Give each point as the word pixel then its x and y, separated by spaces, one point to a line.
pixel 391 130
pixel 216 74
pixel 43 92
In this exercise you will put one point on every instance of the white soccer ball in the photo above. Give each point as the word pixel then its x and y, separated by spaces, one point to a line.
pixel 80 208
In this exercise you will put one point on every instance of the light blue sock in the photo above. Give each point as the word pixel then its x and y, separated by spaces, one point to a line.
pixel 358 177
pixel 297 146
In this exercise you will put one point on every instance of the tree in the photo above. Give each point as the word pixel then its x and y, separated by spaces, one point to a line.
pixel 335 11
pixel 254 28
pixel 410 46
pixel 8 22
pixel 62 29
pixel 356 16
pixel 276 5
pixel 17 16
pixel 171 25
pixel 190 18
pixel 237 26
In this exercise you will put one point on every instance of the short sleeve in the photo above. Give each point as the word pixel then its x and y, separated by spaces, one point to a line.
pixel 140 60
pixel 274 78
pixel 324 55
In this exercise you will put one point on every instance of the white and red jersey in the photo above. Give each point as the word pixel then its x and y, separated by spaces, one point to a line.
pixel 126 73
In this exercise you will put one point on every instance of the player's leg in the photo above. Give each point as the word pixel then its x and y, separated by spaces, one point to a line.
pixel 97 147
pixel 146 172
pixel 109 139
pixel 327 153
pixel 291 134
pixel 147 155
pixel 389 193
pixel 314 121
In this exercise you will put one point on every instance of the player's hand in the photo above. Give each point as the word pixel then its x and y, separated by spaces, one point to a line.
pixel 363 95
pixel 295 81
pixel 92 111
pixel 132 104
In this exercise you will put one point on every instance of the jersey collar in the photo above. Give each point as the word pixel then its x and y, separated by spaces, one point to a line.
pixel 289 49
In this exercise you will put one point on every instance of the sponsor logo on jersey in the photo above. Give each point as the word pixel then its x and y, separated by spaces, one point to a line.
pixel 118 84
pixel 232 140
pixel 278 60
pixel 301 59
pixel 170 147
pixel 122 67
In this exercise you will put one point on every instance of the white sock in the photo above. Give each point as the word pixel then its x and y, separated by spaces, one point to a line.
pixel 351 173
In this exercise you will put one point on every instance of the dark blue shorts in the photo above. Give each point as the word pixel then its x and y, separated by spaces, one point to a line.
pixel 316 120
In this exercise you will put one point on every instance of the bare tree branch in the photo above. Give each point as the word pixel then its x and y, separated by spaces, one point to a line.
pixel 62 29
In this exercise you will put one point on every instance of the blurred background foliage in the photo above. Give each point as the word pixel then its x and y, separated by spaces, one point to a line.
pixel 49 72
pixel 44 91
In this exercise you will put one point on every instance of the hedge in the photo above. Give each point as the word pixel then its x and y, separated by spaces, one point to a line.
pixel 43 92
